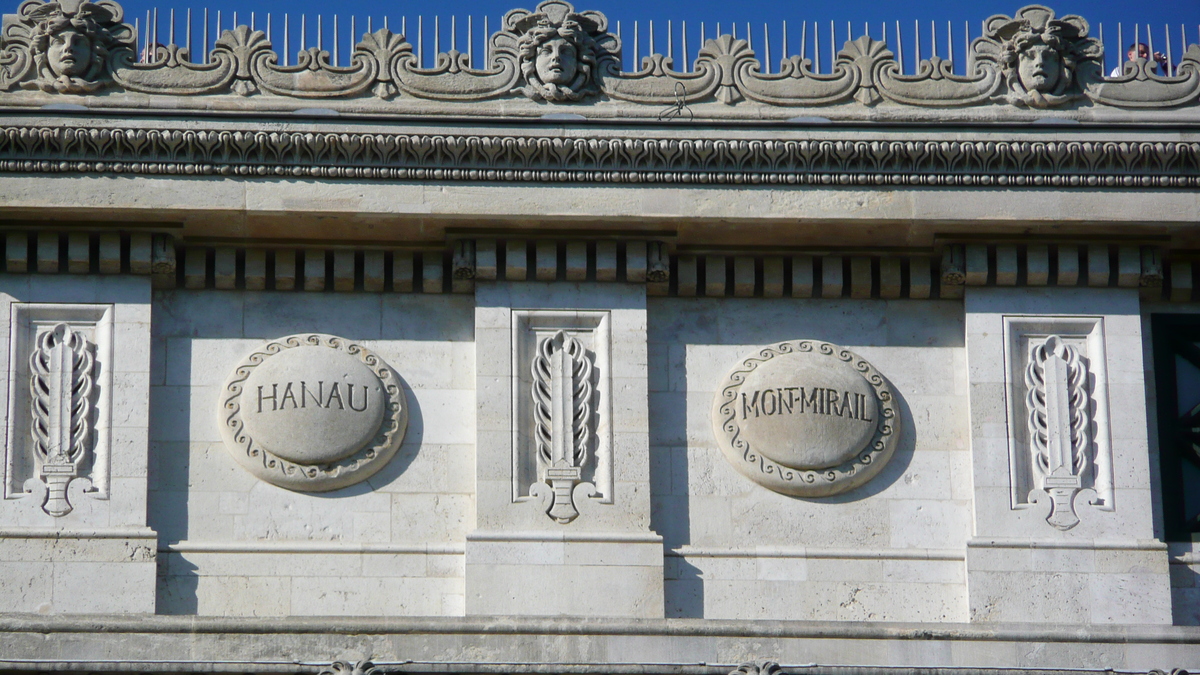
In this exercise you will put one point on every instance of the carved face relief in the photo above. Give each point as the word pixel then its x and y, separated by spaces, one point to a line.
pixel 70 53
pixel 557 62
pixel 560 52
pixel 71 43
pixel 1043 59
pixel 1040 68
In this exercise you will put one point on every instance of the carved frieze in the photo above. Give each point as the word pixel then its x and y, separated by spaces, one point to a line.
pixel 313 413
pixel 871 162
pixel 555 54
pixel 806 418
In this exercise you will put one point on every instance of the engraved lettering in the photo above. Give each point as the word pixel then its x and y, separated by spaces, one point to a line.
pixel 772 407
pixel 335 392
pixel 748 406
pixel 775 401
pixel 305 394
pixel 787 401
pixel 350 398
pixel 288 394
pixel 271 398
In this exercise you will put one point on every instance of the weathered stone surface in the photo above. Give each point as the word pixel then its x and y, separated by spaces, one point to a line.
pixel 313 412
pixel 806 418
pixel 312 405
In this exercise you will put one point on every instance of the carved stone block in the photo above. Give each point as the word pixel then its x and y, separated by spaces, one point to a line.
pixel 1060 456
pixel 313 413
pixel 60 404
pixel 562 437
pixel 806 418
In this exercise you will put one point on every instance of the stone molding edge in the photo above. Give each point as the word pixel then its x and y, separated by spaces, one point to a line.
pixel 510 625
pixel 726 71
pixel 799 482
pixel 355 468
pixel 255 153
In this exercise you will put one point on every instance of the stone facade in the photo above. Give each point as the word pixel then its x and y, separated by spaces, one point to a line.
pixel 324 387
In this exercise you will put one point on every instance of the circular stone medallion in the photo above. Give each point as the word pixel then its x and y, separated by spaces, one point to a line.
pixel 806 418
pixel 313 412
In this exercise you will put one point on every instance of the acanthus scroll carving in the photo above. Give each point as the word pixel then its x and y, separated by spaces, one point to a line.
pixel 62 377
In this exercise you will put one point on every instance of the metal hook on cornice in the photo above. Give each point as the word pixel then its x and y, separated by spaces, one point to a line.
pixel 678 108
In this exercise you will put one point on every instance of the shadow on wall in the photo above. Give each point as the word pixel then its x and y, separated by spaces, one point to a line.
pixel 699 323
pixel 197 491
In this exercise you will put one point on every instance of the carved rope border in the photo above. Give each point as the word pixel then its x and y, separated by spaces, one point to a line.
pixel 314 478
pixel 799 482
pixel 606 160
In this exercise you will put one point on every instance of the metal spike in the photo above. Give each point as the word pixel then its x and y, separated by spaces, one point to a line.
pixel 205 49
pixel 949 42
pixel 1170 54
pixel 917 46
pixel 817 47
pixel 899 47
pixel 635 47
pixel 832 47
pixel 766 50
pixel 453 32
pixel 287 39
pixel 684 66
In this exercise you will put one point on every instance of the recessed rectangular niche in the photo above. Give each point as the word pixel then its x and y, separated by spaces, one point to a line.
pixel 1056 386
pixel 593 331
pixel 29 323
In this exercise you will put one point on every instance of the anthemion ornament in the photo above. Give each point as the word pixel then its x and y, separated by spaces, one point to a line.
pixel 806 418
pixel 313 412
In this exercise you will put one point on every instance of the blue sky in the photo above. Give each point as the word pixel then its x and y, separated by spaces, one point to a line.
pixel 1178 14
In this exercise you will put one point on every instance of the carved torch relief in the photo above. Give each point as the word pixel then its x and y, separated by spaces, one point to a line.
pixel 563 410
pixel 62 377
pixel 1059 447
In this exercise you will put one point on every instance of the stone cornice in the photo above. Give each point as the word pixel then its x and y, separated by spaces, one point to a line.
pixel 600 158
